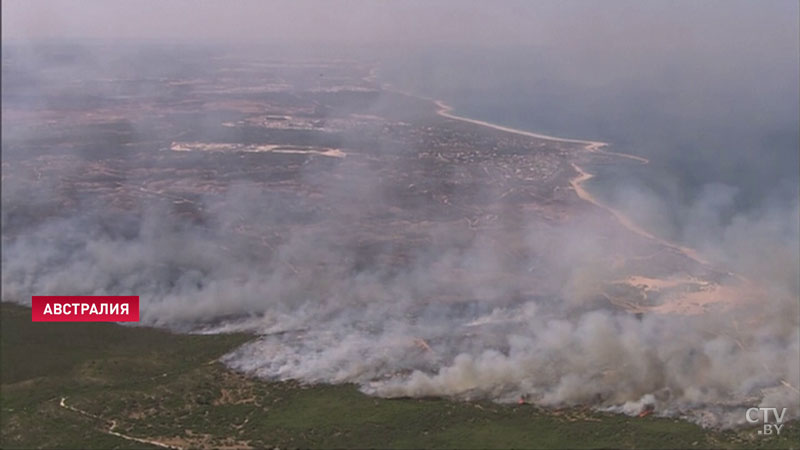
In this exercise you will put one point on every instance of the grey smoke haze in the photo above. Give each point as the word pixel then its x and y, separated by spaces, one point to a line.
pixel 628 28
pixel 354 323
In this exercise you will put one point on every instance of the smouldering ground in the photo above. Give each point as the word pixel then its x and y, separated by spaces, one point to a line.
pixel 151 384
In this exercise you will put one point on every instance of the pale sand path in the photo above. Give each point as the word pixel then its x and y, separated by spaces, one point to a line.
pixel 113 424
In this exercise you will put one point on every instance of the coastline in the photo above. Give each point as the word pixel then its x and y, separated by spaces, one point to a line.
pixel 445 110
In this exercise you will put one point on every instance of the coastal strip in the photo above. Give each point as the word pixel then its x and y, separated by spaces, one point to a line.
pixel 446 110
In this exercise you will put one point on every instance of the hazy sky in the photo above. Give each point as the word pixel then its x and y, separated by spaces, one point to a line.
pixel 623 25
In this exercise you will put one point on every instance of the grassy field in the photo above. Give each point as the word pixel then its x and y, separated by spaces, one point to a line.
pixel 149 384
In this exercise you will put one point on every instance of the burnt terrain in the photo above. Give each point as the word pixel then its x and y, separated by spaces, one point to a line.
pixel 312 148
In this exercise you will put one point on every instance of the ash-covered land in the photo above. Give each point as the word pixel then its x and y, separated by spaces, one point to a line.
pixel 369 236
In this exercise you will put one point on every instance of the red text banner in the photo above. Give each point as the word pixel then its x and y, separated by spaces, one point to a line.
pixel 88 308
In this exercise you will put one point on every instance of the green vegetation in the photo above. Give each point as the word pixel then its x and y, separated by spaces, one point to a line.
pixel 155 385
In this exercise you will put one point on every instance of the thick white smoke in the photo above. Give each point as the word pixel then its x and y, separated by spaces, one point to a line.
pixel 458 320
